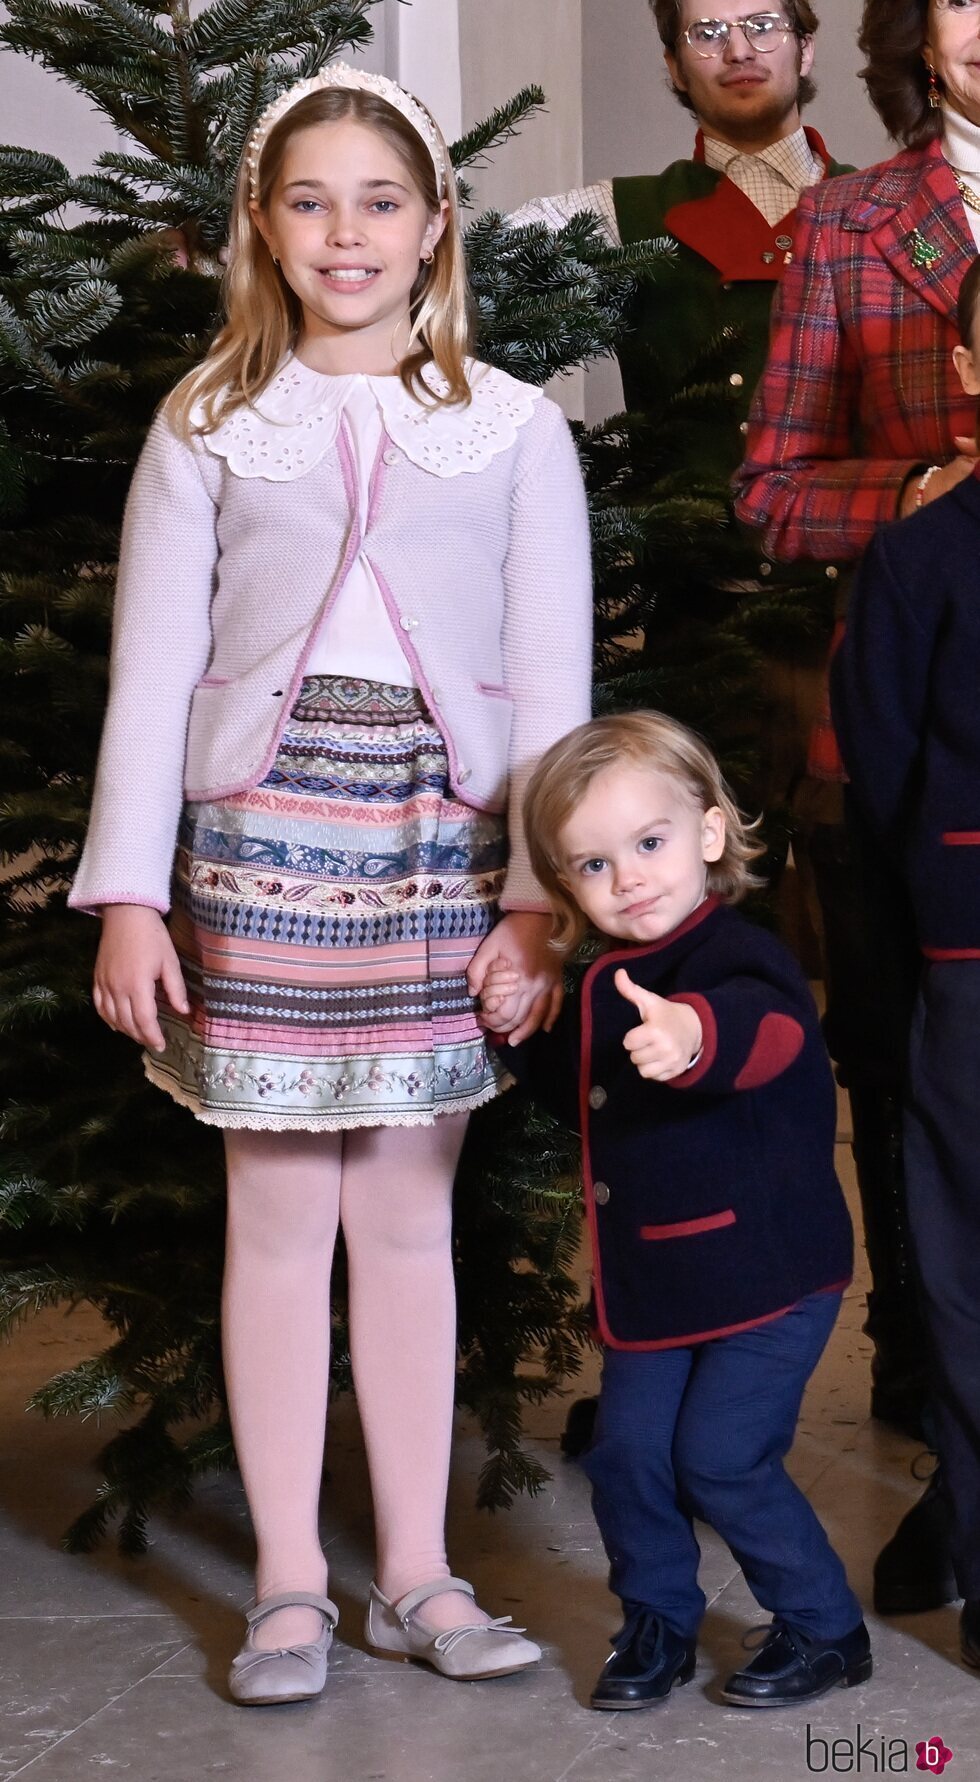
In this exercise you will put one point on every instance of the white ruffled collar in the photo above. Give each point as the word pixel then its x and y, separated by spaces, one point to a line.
pixel 296 420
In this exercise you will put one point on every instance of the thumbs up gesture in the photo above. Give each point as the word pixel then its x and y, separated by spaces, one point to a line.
pixel 668 1037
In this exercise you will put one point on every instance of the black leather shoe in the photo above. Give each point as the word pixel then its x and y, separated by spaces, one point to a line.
pixel 790 1667
pixel 914 1571
pixel 648 1659
pixel 970 1632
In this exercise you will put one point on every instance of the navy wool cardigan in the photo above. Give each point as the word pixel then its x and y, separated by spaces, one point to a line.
pixel 906 702
pixel 712 1200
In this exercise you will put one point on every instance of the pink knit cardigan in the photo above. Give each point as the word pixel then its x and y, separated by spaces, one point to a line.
pixel 235 546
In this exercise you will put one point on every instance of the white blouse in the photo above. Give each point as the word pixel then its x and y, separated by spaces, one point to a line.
pixel 357 638
pixel 961 147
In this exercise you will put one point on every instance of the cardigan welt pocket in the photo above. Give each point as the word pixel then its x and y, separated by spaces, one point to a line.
pixel 492 691
pixel 656 1234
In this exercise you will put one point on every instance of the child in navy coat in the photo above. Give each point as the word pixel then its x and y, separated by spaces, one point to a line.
pixel 906 693
pixel 691 1062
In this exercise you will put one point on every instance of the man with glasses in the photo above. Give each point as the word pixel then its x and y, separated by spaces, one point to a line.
pixel 744 72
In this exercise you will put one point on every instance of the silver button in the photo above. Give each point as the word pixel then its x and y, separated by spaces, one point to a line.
pixel 743 426
pixel 392 457
pixel 765 568
pixel 832 572
pixel 597 1096
pixel 464 774
pixel 408 624
pixel 784 241
pixel 727 285
pixel 736 380
pixel 601 1192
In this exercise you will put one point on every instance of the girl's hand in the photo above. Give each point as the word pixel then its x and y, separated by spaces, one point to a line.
pixel 135 954
pixel 520 940
pixel 500 997
pixel 669 1037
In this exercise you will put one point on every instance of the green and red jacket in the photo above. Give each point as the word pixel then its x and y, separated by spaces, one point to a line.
pixel 712 306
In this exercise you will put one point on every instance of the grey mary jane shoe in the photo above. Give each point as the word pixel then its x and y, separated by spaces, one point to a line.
pixel 284 1673
pixel 481 1649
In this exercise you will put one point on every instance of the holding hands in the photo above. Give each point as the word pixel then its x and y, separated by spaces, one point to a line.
pixel 517 976
pixel 669 1036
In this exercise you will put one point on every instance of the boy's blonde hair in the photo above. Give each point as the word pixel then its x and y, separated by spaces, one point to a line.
pixel 264 315
pixel 635 739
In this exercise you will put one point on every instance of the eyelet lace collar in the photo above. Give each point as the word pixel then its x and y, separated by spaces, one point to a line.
pixel 296 419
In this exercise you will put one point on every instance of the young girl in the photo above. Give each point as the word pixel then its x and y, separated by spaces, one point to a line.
pixel 353 608
pixel 694 1068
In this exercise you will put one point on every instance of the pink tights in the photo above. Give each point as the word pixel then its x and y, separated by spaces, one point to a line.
pixel 391 1190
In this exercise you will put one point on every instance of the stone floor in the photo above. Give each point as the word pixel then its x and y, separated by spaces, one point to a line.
pixel 115 1667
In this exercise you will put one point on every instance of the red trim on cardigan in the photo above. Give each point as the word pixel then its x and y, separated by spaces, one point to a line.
pixel 776 1046
pixel 962 838
pixel 710 1336
pixel 642 950
pixel 939 954
pixel 657 1234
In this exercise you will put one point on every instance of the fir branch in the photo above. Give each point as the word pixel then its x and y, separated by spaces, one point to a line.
pixel 472 148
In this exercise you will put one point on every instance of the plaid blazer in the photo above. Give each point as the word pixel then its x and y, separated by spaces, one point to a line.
pixel 859 390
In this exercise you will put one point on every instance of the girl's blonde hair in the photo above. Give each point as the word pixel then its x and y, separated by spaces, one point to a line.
pixel 635 739
pixel 264 314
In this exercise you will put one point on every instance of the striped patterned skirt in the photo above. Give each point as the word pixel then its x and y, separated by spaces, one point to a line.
pixel 324 921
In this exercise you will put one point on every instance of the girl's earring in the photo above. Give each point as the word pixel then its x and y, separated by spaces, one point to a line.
pixel 428 257
pixel 934 94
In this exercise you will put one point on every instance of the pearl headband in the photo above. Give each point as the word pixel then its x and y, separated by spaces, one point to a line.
pixel 341 74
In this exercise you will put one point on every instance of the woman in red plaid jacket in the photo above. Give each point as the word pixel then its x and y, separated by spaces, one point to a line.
pixel 859 418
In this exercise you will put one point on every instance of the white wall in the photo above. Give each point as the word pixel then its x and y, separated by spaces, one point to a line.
pixel 509 44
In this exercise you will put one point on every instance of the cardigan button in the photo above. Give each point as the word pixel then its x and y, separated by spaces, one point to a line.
pixel 832 572
pixel 736 380
pixel 392 457
pixel 597 1097
pixel 464 774
pixel 765 567
pixel 408 624
pixel 743 426
pixel 601 1193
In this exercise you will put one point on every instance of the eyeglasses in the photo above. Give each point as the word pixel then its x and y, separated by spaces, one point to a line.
pixel 763 31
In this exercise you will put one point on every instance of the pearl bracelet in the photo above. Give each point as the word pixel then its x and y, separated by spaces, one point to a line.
pixel 923 483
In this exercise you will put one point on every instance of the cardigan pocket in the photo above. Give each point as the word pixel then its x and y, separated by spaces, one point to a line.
pixel 492 691
pixel 656 1234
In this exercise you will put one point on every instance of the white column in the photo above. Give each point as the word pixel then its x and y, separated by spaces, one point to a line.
pixel 424 56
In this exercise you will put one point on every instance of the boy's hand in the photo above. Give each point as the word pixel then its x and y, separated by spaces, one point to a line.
pixel 500 998
pixel 669 1037
pixel 521 938
pixel 135 954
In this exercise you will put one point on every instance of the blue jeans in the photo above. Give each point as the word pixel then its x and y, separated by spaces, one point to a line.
pixel 704 1432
